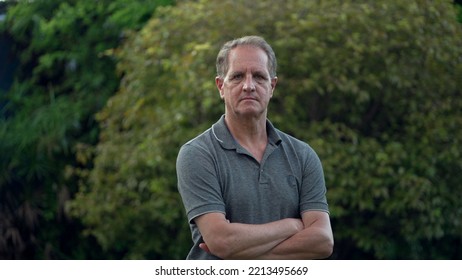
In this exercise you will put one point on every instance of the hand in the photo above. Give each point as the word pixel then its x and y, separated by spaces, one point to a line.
pixel 298 224
pixel 204 247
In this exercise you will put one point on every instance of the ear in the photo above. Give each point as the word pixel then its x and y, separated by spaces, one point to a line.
pixel 219 83
pixel 274 81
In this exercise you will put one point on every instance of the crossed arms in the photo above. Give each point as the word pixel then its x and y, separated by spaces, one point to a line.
pixel 307 238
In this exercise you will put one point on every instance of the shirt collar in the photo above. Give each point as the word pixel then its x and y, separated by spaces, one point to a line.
pixel 222 134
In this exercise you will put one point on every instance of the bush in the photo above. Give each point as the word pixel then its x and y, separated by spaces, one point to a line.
pixel 373 87
pixel 65 74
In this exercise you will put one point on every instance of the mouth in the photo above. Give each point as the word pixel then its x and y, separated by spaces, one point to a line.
pixel 248 98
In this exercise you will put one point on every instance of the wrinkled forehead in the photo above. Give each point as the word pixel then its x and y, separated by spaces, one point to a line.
pixel 248 57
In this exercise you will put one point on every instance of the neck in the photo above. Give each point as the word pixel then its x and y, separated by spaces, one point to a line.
pixel 250 133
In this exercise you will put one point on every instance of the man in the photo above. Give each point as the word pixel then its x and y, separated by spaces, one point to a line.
pixel 251 191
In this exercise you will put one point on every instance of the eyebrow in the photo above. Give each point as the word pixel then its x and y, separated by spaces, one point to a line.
pixel 256 72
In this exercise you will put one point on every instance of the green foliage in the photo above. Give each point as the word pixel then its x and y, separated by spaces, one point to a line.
pixel 377 88
pixel 459 9
pixel 65 76
pixel 374 87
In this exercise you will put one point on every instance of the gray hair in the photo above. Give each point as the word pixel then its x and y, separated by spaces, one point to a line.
pixel 256 41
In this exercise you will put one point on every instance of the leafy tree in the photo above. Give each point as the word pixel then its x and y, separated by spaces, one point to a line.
pixel 459 8
pixel 374 87
pixel 65 75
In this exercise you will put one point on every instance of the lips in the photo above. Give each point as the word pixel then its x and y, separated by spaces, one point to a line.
pixel 246 98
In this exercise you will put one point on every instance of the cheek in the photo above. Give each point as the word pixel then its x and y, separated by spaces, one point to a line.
pixel 226 96
pixel 266 91
pixel 231 92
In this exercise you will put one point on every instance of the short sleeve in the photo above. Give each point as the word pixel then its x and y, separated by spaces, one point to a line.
pixel 198 182
pixel 313 190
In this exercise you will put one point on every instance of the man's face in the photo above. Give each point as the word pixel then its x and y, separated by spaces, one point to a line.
pixel 247 86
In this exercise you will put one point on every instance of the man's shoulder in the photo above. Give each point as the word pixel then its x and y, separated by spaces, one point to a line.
pixel 202 142
pixel 195 151
pixel 297 147
pixel 292 140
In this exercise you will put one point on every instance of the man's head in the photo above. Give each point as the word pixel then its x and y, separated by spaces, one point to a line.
pixel 222 62
pixel 246 77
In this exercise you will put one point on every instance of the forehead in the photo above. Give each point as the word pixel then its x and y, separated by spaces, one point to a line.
pixel 245 57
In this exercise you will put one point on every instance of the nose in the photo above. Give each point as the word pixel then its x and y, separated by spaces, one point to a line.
pixel 249 84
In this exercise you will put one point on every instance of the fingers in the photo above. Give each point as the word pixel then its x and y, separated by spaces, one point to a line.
pixel 204 247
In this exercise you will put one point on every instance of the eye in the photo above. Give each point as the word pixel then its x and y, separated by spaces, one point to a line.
pixel 236 76
pixel 260 77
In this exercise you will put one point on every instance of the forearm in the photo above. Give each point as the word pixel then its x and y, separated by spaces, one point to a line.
pixel 252 241
pixel 310 243
pixel 247 241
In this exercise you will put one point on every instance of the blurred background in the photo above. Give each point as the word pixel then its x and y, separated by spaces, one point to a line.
pixel 97 96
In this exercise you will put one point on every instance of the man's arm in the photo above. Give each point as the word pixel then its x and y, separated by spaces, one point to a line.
pixel 315 241
pixel 243 241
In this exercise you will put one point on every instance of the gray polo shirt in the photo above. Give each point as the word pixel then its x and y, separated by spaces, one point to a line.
pixel 216 174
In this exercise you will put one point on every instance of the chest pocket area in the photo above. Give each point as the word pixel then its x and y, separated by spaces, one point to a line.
pixel 282 191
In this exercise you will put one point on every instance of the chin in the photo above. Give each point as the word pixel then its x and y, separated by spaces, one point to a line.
pixel 251 114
